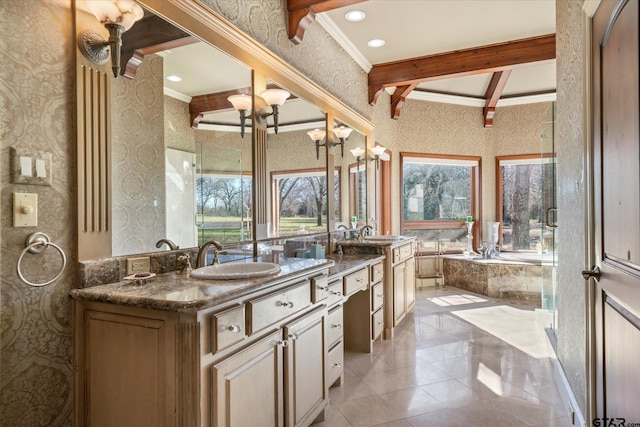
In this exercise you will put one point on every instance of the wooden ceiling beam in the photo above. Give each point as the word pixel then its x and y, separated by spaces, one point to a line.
pixel 302 13
pixel 149 35
pixel 398 98
pixel 484 59
pixel 493 94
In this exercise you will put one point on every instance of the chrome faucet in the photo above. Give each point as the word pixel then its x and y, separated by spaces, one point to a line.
pixel 492 248
pixel 366 230
pixel 202 253
pixel 172 246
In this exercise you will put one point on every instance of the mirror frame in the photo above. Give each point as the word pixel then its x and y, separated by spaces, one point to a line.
pixel 93 101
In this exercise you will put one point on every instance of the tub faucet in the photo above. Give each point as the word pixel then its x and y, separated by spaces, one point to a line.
pixel 491 249
pixel 172 246
pixel 202 253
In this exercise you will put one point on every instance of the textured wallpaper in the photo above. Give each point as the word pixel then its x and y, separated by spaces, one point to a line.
pixel 571 196
pixel 37 101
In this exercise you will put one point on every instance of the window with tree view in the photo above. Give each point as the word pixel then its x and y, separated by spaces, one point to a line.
pixel 525 196
pixel 300 201
pixel 439 193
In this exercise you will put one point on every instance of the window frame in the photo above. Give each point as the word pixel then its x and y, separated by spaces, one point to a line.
pixel 513 159
pixel 475 162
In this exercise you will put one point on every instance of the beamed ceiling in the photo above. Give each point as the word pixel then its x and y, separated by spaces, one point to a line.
pixel 474 52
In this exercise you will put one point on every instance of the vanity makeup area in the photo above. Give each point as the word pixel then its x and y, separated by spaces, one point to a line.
pixel 238 346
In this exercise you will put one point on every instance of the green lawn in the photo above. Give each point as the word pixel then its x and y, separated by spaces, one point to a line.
pixel 226 234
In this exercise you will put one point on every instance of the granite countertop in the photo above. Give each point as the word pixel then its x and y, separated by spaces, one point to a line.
pixel 175 292
pixel 349 263
pixel 378 241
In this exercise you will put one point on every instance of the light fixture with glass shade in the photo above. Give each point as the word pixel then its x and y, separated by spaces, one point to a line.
pixel 242 103
pixel 117 16
pixel 357 153
pixel 377 151
pixel 316 136
pixel 274 98
pixel 342 133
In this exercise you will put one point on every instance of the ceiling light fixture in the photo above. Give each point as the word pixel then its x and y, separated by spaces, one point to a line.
pixel 274 98
pixel 376 43
pixel 174 78
pixel 355 15
pixel 117 16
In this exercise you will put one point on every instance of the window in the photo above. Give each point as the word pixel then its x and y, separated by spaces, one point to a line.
pixel 299 201
pixel 438 194
pixel 525 199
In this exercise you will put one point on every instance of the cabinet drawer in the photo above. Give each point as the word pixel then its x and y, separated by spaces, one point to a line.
pixel 335 292
pixel 377 296
pixel 377 323
pixel 274 307
pixel 356 281
pixel 377 272
pixel 319 288
pixel 401 253
pixel 227 328
pixel 335 363
pixel 335 325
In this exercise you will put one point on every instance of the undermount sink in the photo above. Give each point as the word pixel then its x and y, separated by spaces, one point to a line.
pixel 236 270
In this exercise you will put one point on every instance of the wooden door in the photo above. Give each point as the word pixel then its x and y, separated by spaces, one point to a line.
pixel 399 296
pixel 617 210
pixel 306 391
pixel 247 387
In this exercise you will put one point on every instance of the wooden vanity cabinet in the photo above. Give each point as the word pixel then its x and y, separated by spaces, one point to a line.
pixel 400 294
pixel 277 381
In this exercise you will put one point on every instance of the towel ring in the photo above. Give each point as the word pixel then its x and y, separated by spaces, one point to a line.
pixel 37 243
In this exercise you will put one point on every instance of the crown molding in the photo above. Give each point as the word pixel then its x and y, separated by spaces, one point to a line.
pixel 330 27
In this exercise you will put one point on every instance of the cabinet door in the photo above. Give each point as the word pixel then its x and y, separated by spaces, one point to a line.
pixel 399 296
pixel 305 388
pixel 410 283
pixel 247 387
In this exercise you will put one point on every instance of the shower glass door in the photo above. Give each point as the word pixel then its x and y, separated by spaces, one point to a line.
pixel 548 228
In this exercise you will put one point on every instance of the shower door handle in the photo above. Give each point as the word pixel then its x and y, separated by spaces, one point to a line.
pixel 548 218
pixel 594 272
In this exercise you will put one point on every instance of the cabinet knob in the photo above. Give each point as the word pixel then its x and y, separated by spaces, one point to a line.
pixel 285 304
pixel 337 365
pixel 337 326
pixel 323 288
pixel 380 295
pixel 293 337
pixel 234 328
pixel 338 293
pixel 283 343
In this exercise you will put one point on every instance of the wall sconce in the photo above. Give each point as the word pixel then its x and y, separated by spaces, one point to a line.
pixel 357 153
pixel 242 104
pixel 274 98
pixel 316 136
pixel 117 16
pixel 377 151
pixel 342 132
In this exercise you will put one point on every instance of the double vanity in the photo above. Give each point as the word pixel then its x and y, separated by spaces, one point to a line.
pixel 178 350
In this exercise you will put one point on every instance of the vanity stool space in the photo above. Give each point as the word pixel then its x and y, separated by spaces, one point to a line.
pixel 188 352
pixel 398 294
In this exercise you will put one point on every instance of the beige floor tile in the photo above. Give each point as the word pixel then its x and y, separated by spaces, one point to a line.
pixel 368 411
pixel 412 402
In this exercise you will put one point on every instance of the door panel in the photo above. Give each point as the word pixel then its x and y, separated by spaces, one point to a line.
pixel 617 209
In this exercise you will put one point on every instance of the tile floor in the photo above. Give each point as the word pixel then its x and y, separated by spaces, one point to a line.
pixel 461 359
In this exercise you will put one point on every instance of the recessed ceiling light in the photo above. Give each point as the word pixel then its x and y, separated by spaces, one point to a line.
pixel 355 15
pixel 376 43
pixel 174 78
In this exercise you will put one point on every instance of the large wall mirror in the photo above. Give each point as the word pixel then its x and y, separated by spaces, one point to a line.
pixel 297 169
pixel 181 166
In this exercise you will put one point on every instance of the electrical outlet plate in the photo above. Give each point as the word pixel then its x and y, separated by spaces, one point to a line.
pixel 138 265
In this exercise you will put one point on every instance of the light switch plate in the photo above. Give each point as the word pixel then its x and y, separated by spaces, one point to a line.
pixel 31 167
pixel 25 210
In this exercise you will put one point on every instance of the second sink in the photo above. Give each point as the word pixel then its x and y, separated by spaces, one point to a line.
pixel 236 270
